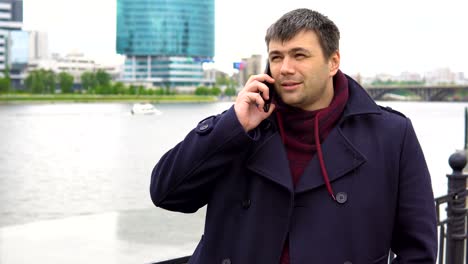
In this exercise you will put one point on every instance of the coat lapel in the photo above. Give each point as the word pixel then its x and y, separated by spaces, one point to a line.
pixel 269 157
pixel 269 160
pixel 340 157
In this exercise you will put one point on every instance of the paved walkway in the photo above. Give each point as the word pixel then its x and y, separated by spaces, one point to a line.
pixel 119 237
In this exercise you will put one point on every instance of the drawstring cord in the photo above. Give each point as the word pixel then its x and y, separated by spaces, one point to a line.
pixel 320 157
pixel 319 151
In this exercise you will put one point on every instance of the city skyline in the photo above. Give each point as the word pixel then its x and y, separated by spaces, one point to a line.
pixel 376 36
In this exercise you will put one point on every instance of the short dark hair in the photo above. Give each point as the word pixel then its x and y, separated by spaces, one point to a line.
pixel 302 19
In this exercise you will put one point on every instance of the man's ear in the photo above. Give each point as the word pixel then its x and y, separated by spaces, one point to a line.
pixel 334 63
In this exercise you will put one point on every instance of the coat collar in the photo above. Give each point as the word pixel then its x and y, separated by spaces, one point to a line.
pixel 269 159
pixel 359 101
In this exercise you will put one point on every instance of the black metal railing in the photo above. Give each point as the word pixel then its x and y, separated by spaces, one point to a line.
pixel 452 229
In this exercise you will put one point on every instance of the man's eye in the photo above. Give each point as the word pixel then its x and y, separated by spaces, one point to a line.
pixel 275 58
pixel 300 55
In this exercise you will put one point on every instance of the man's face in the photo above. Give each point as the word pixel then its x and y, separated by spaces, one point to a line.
pixel 303 77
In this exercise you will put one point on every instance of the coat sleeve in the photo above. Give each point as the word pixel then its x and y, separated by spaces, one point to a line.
pixel 183 178
pixel 415 231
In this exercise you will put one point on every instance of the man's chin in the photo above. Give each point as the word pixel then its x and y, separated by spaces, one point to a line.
pixel 289 100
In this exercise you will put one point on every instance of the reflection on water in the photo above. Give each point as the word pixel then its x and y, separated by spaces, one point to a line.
pixel 63 160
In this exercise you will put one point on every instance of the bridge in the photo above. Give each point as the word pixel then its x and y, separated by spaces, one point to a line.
pixel 427 93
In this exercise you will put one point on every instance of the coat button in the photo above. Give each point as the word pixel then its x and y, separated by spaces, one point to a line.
pixel 246 203
pixel 341 198
pixel 226 261
pixel 205 127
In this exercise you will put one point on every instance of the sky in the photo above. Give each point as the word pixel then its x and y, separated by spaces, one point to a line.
pixel 376 36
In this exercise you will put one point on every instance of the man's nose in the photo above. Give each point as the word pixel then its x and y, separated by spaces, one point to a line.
pixel 287 66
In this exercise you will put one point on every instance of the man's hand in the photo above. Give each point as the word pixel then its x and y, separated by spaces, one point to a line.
pixel 249 102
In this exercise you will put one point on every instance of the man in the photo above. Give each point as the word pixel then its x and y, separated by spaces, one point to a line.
pixel 323 176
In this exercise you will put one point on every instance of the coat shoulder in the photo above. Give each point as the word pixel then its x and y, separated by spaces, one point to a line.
pixel 390 110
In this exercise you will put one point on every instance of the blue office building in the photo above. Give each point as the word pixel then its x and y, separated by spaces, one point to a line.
pixel 165 42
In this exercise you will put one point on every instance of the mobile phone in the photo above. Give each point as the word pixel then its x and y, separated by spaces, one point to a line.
pixel 271 89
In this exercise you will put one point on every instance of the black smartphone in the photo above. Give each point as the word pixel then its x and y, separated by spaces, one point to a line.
pixel 271 89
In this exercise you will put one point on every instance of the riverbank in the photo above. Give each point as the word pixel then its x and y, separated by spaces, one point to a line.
pixel 83 98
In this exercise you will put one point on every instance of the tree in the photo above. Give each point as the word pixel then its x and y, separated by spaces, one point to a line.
pixel 141 90
pixel 230 92
pixel 132 89
pixel 5 82
pixel 103 78
pixel 202 90
pixel 28 82
pixel 222 79
pixel 65 81
pixel 119 88
pixel 4 85
pixel 40 81
pixel 50 81
pixel 215 91
pixel 88 80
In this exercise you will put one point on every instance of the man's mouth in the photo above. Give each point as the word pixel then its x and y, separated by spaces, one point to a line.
pixel 290 85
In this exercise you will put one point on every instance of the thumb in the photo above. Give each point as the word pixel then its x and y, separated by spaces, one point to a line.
pixel 272 108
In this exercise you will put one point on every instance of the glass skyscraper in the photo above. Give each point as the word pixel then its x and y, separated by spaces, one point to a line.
pixel 11 17
pixel 165 42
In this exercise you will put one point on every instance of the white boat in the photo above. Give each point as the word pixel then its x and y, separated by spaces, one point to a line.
pixel 145 109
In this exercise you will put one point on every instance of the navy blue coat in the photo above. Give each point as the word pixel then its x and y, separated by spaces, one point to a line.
pixel 376 168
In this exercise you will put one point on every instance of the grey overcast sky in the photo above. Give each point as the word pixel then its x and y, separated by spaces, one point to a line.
pixel 376 36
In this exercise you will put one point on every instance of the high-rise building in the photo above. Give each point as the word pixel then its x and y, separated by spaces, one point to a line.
pixel 38 45
pixel 18 51
pixel 11 17
pixel 165 42
pixel 16 10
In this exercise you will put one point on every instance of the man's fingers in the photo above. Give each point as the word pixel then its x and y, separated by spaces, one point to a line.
pixel 258 87
pixel 255 98
pixel 259 83
pixel 272 108
pixel 261 78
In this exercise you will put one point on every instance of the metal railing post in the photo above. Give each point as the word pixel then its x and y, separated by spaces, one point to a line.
pixel 466 128
pixel 456 211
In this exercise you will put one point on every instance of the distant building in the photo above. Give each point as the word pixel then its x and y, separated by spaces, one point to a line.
pixel 10 20
pixel 38 45
pixel 18 50
pixel 215 74
pixel 74 63
pixel 440 76
pixel 21 47
pixel 164 42
pixel 410 77
pixel 250 66
pixel 460 78
pixel 13 49
pixel 16 9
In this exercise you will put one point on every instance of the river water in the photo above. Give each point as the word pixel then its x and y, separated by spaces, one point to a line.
pixel 74 178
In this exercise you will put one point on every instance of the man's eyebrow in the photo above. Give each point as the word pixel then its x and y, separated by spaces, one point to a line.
pixel 291 51
pixel 298 49
pixel 274 52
